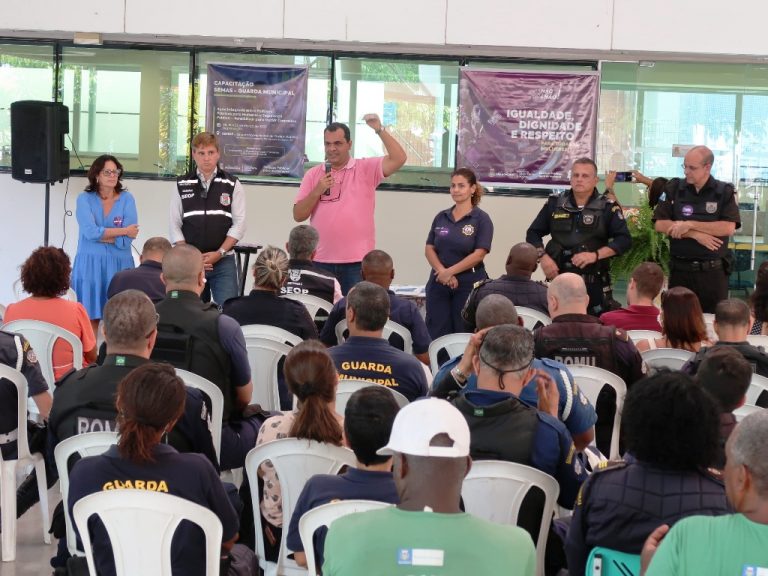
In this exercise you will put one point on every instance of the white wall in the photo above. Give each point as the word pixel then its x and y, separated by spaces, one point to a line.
pixel 402 222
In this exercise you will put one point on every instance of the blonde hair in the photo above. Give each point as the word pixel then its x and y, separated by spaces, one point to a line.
pixel 271 268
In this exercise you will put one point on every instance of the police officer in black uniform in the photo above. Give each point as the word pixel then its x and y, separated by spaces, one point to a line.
pixel 699 213
pixel 586 230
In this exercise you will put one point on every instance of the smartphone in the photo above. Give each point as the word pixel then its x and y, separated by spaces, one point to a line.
pixel 624 176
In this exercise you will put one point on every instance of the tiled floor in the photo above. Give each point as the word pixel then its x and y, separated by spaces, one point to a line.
pixel 32 555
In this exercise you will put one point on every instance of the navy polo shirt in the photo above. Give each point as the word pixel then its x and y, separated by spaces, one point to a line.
pixel 401 310
pixel 188 476
pixel 373 359
pixel 354 484
pixel 145 277
pixel 454 241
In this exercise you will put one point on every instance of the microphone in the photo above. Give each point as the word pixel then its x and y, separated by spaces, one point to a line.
pixel 327 171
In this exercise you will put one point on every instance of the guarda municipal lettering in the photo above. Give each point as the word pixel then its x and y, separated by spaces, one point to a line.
pixel 150 485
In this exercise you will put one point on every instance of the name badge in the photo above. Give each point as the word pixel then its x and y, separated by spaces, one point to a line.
pixel 420 557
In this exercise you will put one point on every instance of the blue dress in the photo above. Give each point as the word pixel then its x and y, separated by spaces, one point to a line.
pixel 96 262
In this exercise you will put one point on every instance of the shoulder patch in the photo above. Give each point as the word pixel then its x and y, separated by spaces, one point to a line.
pixel 606 465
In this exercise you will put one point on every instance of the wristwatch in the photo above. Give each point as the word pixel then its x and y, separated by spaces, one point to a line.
pixel 222 252
pixel 380 130
pixel 459 376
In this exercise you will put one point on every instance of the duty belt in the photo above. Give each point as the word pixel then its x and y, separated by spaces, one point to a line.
pixel 697 265
pixel 8 438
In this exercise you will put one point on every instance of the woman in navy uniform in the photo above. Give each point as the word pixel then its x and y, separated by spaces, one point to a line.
pixel 458 240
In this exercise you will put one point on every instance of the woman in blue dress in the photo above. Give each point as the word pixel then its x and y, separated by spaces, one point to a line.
pixel 106 214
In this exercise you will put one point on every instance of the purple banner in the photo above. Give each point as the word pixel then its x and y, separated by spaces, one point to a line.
pixel 526 127
pixel 259 115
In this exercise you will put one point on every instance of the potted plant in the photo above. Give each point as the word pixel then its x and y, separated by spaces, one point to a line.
pixel 647 244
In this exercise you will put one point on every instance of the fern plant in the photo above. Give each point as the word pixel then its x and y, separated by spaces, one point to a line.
pixel 647 244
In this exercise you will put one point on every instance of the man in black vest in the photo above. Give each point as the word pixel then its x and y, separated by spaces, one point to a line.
pixel 586 229
pixel 574 337
pixel 208 211
pixel 698 214
pixel 197 337
pixel 304 276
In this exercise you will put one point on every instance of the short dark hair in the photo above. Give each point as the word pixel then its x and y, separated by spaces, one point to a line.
pixel 649 278
pixel 46 272
pixel 156 244
pixel 371 305
pixel 129 318
pixel 368 421
pixel 494 310
pixel 333 126
pixel 725 374
pixel 732 312
pixel 585 160
pixel 97 167
pixel 669 421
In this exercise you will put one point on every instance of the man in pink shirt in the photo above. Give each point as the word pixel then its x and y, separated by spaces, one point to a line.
pixel 644 285
pixel 339 198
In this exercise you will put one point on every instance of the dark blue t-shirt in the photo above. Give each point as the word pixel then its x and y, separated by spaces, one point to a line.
pixel 401 310
pixel 188 476
pixel 354 484
pixel 454 241
pixel 374 359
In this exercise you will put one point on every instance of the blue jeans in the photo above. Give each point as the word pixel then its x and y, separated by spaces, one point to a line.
pixel 347 274
pixel 222 281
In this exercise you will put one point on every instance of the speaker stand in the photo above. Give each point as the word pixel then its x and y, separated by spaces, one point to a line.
pixel 47 211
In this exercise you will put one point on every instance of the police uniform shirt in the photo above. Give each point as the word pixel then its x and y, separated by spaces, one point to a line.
pixel 264 307
pixel 521 290
pixel 716 201
pixel 354 484
pixel 617 234
pixel 401 310
pixel 188 476
pixel 453 241
pixel 304 277
pixel 145 277
pixel 574 409
pixel 552 449
pixel 375 360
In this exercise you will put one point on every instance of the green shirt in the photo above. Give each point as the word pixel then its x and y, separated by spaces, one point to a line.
pixel 729 545
pixel 395 542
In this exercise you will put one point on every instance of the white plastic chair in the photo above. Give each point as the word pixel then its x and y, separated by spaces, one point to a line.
pixel 266 345
pixel 591 380
pixel 758 340
pixel 141 525
pixel 640 335
pixel 532 317
pixel 453 344
pixel 217 404
pixel 295 461
pixel 10 468
pixel 313 304
pixel 347 387
pixel 494 490
pixel 389 328
pixel 743 411
pixel 2 312
pixel 325 515
pixel 757 385
pixel 87 444
pixel 20 294
pixel 671 358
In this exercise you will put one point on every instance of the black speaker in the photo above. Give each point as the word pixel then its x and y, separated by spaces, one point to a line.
pixel 37 141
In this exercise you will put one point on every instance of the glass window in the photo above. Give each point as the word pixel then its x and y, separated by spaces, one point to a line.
pixel 130 103
pixel 26 73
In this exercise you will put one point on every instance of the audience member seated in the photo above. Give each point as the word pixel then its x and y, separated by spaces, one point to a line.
pixel 732 324
pixel 430 448
pixel 304 277
pixel 16 353
pixel 366 355
pixel 145 277
pixel 725 374
pixel 574 337
pixel 312 378
pixel 573 409
pixel 195 336
pixel 378 267
pixel 516 284
pixel 641 314
pixel 670 427
pixel 368 421
pixel 759 301
pixel 495 413
pixel 149 402
pixel 45 275
pixel 264 304
pixel 732 543
pixel 682 322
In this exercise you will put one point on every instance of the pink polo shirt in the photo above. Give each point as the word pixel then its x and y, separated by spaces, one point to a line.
pixel 344 218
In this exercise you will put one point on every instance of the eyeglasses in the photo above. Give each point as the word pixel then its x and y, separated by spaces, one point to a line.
pixel 689 168
pixel 111 172
pixel 157 321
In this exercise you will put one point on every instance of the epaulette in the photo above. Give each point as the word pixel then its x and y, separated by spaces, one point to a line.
pixel 542 282
pixel 715 474
pixel 621 334
pixel 480 283
pixel 609 465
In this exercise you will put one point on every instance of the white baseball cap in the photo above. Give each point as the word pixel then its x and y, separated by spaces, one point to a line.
pixel 419 422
